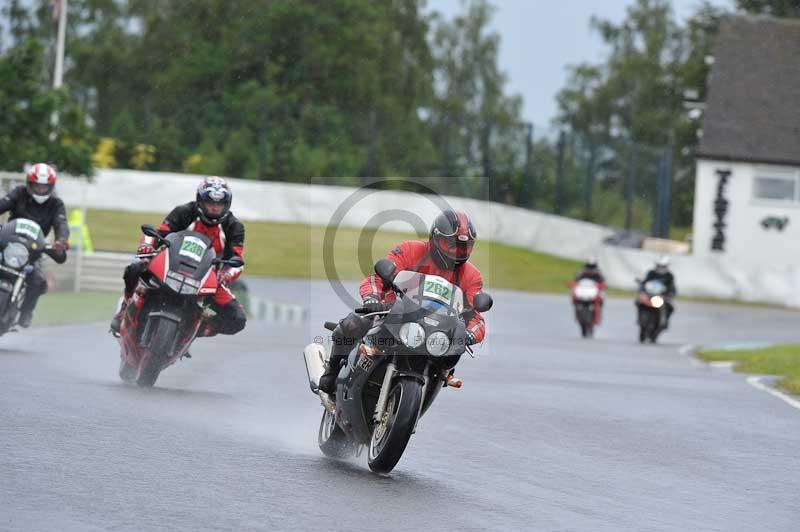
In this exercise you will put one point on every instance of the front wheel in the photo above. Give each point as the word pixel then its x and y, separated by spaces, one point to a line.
pixel 332 440
pixel 644 326
pixel 126 372
pixel 391 434
pixel 161 345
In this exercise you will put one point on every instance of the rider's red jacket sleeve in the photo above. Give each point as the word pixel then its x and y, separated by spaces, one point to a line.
pixel 472 283
pixel 406 256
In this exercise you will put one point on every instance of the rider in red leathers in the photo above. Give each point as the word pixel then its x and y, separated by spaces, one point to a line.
pixel 446 254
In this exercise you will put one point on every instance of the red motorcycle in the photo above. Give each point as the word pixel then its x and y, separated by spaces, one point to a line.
pixel 169 305
pixel 587 297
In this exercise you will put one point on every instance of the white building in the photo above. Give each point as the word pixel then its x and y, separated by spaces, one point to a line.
pixel 747 190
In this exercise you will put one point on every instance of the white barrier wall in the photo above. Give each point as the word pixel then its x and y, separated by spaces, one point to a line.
pixel 712 276
pixel 318 204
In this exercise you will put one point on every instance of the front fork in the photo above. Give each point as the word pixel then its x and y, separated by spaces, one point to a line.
pixel 386 386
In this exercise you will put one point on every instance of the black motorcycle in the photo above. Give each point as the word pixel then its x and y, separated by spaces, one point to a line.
pixel 394 374
pixel 21 244
pixel 652 304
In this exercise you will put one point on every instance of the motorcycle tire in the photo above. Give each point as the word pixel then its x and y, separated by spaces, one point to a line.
pixel 161 344
pixel 332 440
pixel 126 372
pixel 7 315
pixel 390 436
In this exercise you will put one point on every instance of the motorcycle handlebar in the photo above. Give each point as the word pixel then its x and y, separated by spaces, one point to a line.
pixel 363 310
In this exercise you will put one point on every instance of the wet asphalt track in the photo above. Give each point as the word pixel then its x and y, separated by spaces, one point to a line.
pixel 550 432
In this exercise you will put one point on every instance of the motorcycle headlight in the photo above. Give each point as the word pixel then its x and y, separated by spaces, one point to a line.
pixel 657 301
pixel 15 255
pixel 182 284
pixel 437 343
pixel 412 335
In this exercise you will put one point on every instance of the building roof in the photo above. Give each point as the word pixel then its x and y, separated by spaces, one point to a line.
pixel 753 99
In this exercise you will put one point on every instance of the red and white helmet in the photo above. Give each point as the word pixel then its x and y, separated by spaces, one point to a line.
pixel 41 180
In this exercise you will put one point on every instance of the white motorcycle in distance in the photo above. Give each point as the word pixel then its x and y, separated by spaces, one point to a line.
pixel 587 296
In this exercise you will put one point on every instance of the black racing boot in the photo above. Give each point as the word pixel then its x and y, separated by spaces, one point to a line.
pixel 116 321
pixel 25 319
pixel 327 381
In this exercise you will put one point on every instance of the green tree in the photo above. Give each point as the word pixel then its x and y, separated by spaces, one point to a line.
pixel 27 108
pixel 476 127
pixel 776 8
pixel 635 97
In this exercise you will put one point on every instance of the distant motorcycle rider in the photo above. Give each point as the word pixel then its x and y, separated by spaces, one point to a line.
pixel 35 201
pixel 591 271
pixel 661 273
pixel 210 215
pixel 446 254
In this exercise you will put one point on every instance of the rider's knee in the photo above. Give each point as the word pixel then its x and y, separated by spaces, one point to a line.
pixel 350 329
pixel 36 280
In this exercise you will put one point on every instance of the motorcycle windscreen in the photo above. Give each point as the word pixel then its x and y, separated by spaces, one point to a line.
pixel 190 254
pixel 22 242
pixel 190 261
pixel 421 287
pixel 655 287
pixel 23 230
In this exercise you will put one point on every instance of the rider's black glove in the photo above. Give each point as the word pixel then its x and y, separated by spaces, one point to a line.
pixel 471 340
pixel 372 304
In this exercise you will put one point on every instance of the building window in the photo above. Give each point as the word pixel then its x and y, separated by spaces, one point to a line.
pixel 775 186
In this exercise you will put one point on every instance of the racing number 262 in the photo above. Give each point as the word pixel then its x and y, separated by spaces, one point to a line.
pixel 438 289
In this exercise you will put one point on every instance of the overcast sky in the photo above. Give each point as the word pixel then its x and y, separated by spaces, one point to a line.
pixel 539 38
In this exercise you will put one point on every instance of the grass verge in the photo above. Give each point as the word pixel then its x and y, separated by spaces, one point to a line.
pixel 68 307
pixel 780 360
pixel 294 250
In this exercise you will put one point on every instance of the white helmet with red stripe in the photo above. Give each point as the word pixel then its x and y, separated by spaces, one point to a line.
pixel 41 180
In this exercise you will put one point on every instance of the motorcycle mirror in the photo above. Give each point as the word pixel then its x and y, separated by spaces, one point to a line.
pixel 386 270
pixel 482 302
pixel 149 230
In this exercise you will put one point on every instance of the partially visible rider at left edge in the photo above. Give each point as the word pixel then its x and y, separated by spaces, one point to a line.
pixel 35 201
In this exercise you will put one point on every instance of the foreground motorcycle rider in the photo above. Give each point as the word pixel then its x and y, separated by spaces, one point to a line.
pixel 446 254
pixel 210 215
pixel 35 201
pixel 661 273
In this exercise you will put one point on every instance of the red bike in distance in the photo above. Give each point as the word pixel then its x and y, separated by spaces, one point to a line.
pixel 587 298
pixel 169 304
